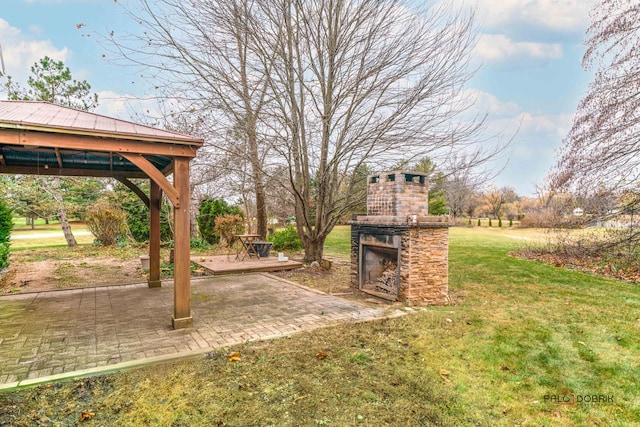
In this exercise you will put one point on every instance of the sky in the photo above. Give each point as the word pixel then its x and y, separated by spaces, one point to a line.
pixel 529 81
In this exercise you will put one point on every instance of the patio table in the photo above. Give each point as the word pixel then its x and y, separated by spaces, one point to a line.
pixel 246 246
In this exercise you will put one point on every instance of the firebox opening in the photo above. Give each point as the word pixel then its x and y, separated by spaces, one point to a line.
pixel 380 271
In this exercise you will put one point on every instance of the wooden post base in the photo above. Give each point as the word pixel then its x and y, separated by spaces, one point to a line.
pixel 185 322
pixel 154 283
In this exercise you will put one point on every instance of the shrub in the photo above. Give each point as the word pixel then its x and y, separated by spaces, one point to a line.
pixel 499 222
pixel 194 243
pixel 479 222
pixel 226 226
pixel 511 223
pixel 106 222
pixel 209 210
pixel 138 213
pixel 4 255
pixel 6 224
pixel 285 239
pixel 489 222
pixel 138 220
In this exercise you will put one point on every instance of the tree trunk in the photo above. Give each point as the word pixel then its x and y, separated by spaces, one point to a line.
pixel 195 204
pixel 313 248
pixel 261 210
pixel 62 213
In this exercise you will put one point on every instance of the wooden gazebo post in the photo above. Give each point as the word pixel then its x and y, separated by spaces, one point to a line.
pixel 155 205
pixel 182 246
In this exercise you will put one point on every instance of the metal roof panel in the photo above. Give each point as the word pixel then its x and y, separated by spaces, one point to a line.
pixel 45 116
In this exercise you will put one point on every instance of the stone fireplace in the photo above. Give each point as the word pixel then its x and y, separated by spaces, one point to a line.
pixel 398 251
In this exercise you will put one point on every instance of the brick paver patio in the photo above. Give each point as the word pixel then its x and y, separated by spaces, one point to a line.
pixel 51 335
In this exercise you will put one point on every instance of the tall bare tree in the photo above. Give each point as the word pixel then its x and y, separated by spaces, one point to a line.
pixel 357 81
pixel 318 86
pixel 199 53
pixel 602 148
pixel 495 198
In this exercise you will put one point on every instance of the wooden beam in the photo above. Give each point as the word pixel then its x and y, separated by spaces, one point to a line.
pixel 79 142
pixel 182 260
pixel 152 172
pixel 58 157
pixel 155 197
pixel 33 170
pixel 137 191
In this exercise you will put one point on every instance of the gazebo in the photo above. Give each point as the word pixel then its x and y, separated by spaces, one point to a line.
pixel 41 138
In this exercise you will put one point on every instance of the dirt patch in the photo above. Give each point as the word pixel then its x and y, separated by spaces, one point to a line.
pixel 64 268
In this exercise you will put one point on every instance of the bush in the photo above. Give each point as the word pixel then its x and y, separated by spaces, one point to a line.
pixel 4 255
pixel 138 220
pixel 499 222
pixel 489 222
pixel 6 224
pixel 209 210
pixel 106 222
pixel 226 226
pixel 479 224
pixel 138 213
pixel 285 239
pixel 548 219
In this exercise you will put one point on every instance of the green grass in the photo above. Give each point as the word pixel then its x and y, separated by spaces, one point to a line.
pixel 57 240
pixel 516 333
pixel 338 243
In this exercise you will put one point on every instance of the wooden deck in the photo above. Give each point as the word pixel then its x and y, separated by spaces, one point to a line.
pixel 223 264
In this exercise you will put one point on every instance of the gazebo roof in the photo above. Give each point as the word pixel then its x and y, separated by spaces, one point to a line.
pixel 44 138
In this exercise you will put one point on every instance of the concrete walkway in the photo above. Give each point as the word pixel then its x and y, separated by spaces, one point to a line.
pixel 49 336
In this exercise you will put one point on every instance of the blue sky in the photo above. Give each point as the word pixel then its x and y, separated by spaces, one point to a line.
pixel 530 78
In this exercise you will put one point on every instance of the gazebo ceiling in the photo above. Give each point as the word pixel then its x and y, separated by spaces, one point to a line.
pixel 47 139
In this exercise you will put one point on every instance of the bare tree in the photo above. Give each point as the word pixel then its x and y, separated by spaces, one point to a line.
pixel 496 198
pixel 199 53
pixel 319 87
pixel 603 145
pixel 356 81
pixel 463 182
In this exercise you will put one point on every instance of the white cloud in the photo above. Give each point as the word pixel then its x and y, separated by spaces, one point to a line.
pixel 21 51
pixel 556 15
pixel 498 48
pixel 535 138
pixel 126 107
pixel 490 104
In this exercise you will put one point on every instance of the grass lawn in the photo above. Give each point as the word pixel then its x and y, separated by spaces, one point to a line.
pixel 518 336
pixel 46 235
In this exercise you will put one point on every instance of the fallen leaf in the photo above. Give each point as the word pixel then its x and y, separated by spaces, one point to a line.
pixel 321 355
pixel 234 357
pixel 86 415
pixel 581 343
pixel 443 374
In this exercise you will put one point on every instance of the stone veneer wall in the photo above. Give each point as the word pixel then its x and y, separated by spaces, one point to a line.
pixel 398 197
pixel 424 264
